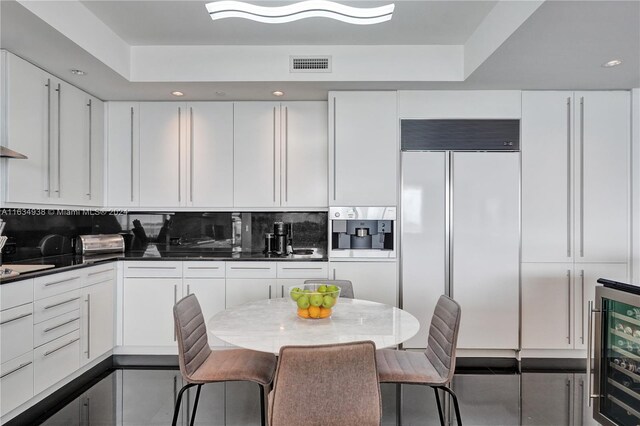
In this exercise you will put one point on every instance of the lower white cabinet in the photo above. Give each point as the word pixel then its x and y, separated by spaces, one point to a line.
pixel 211 296
pixel 375 281
pixel 97 326
pixel 243 290
pixel 555 298
pixel 148 311
pixel 16 382
pixel 16 331
pixel 56 360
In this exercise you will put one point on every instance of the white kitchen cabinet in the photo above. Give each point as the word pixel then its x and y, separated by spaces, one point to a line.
pixel 209 170
pixel 375 281
pixel 97 319
pixel 162 154
pixel 256 159
pixel 576 206
pixel 243 290
pixel 96 158
pixel 16 382
pixel 555 298
pixel 363 149
pixel 55 360
pixel 148 311
pixel 211 296
pixel 123 154
pixel 16 331
pixel 303 171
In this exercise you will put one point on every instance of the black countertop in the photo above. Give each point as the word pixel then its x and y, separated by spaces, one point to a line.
pixel 69 262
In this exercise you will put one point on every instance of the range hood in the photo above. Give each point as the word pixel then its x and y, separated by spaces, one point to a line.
pixel 8 153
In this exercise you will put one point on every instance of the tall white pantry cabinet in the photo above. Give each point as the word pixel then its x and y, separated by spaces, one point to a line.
pixel 575 209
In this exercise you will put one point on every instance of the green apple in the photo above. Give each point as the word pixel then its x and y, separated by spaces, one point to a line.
pixel 322 289
pixel 316 299
pixel 328 301
pixel 303 302
pixel 295 293
pixel 332 289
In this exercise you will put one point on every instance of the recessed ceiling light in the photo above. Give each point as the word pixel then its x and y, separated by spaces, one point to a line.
pixel 221 93
pixel 612 63
pixel 78 72
pixel 306 9
pixel 277 93
pixel 176 93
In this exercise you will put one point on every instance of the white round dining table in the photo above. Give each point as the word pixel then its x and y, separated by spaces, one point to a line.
pixel 267 325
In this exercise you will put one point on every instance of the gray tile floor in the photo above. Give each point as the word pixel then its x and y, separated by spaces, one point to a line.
pixel 136 397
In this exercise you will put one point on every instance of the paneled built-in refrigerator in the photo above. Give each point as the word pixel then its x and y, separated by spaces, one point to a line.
pixel 460 234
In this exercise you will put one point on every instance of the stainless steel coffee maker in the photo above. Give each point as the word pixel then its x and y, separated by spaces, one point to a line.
pixel 362 232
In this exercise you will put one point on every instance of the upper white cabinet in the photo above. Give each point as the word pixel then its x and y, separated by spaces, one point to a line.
pixel 59 128
pixel 280 156
pixel 575 176
pixel 123 154
pixel 363 149
pixel 209 150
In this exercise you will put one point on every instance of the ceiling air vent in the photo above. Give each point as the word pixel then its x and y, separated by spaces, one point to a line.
pixel 310 64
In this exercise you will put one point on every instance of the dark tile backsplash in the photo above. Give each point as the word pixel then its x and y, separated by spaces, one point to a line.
pixel 188 231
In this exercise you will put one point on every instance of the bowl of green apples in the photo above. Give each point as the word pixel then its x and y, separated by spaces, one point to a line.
pixel 314 301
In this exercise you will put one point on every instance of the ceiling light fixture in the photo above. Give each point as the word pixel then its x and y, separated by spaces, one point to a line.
pixel 78 72
pixel 612 63
pixel 278 93
pixel 306 9
pixel 177 93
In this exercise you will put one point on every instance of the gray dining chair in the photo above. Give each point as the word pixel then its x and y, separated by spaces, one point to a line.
pixel 346 287
pixel 200 365
pixel 435 366
pixel 328 385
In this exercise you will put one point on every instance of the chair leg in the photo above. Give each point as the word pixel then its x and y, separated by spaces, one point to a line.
pixel 176 409
pixel 435 390
pixel 195 406
pixel 262 406
pixel 455 403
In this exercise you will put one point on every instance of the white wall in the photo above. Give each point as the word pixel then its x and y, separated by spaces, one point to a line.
pixel 635 186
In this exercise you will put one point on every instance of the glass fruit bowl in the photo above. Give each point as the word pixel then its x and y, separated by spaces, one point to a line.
pixel 314 301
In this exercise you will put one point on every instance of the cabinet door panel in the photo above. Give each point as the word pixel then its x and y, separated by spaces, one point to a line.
pixel 375 281
pixel 547 306
pixel 97 320
pixel 162 158
pixel 148 307
pixel 304 154
pixel 123 154
pixel 363 149
pixel 602 176
pixel 211 296
pixel 210 154
pixel 16 384
pixel 96 157
pixel 256 159
pixel 243 290
pixel 547 187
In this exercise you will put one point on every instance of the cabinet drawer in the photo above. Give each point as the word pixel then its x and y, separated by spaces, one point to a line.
pixel 203 269
pixel 153 269
pixel 251 269
pixel 303 270
pixel 98 274
pixel 16 331
pixel 51 285
pixel 17 293
pixel 16 382
pixel 57 305
pixel 55 360
pixel 54 328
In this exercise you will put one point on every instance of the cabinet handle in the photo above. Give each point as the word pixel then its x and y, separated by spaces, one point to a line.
pixel 202 267
pixel 59 90
pixel 61 281
pixel 274 155
pixel 55 327
pixel 300 269
pixel 568 306
pixel 16 318
pixel 592 311
pixel 188 289
pixel 61 303
pixel 61 347
pixel 568 177
pixel 20 367
pixel 151 267
pixel 334 273
pixel 582 177
pixel 88 351
pixel 335 155
pixel 286 154
pixel 48 85
pixel 269 291
pixel 132 154
pixel 282 291
pixel 179 154
pixel 99 272
pixel 569 401
pixel 90 142
pixel 191 154
pixel 249 268
pixel 582 306
pixel 175 300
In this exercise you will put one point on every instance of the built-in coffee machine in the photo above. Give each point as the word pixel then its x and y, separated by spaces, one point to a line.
pixel 358 232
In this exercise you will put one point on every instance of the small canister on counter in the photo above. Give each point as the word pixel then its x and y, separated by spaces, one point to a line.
pixel 268 243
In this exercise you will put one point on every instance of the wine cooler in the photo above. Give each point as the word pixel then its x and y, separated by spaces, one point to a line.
pixel 614 325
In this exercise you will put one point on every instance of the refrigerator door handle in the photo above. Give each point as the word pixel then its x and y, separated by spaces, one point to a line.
pixel 590 381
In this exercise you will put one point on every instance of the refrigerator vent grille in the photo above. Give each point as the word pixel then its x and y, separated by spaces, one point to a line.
pixel 310 64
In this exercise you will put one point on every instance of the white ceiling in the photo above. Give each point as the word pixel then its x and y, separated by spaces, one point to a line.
pixel 144 23
pixel 560 46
